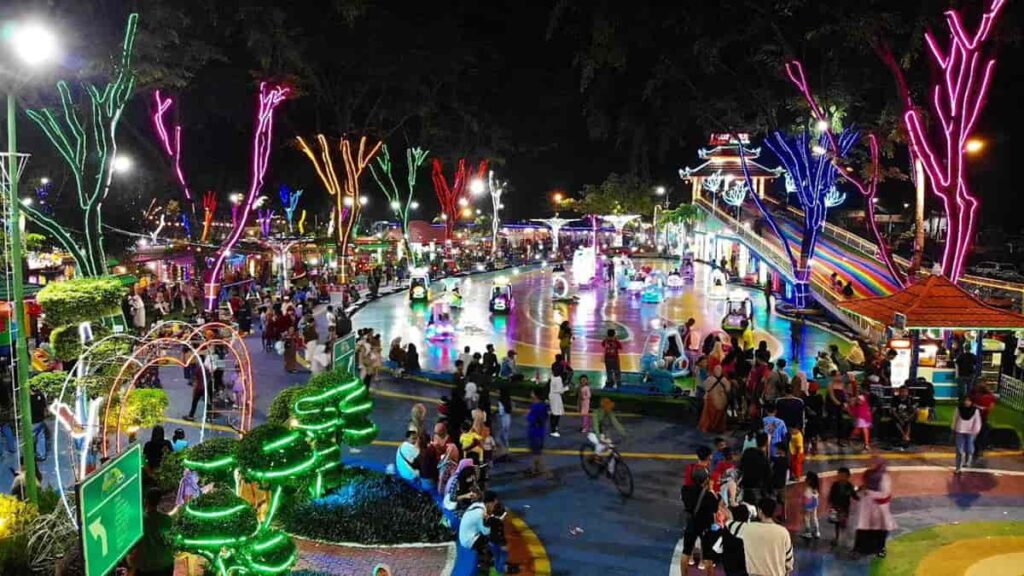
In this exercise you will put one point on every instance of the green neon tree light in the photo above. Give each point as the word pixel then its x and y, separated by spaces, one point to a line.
pixel 276 457
pixel 382 173
pixel 89 149
pixel 356 407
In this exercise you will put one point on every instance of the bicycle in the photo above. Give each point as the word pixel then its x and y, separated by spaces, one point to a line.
pixel 611 462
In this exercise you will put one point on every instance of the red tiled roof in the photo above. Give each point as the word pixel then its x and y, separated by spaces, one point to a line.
pixel 934 302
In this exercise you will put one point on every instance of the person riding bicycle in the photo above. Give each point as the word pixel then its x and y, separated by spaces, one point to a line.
pixel 604 419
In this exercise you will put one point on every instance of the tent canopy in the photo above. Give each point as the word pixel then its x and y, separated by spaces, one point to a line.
pixel 935 302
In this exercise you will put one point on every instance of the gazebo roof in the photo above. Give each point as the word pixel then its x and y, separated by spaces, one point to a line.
pixel 726 159
pixel 934 302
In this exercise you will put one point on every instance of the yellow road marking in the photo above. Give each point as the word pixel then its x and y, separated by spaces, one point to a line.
pixel 539 554
pixel 194 424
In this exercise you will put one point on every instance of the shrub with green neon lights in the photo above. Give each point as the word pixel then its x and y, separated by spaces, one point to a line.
pixel 215 460
pixel 270 552
pixel 272 455
pixel 356 407
pixel 215 521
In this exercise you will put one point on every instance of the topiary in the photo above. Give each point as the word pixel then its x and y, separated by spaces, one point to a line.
pixel 272 455
pixel 49 383
pixel 280 411
pixel 356 407
pixel 80 300
pixel 215 520
pixel 168 475
pixel 66 342
pixel 270 552
pixel 215 459
pixel 144 408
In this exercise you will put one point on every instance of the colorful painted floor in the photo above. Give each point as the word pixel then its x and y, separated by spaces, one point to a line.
pixel 532 327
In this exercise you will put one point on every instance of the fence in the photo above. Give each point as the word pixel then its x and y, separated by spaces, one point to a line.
pixel 1011 392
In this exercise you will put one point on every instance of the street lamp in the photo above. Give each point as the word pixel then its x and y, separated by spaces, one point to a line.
pixel 44 180
pixel 660 190
pixel 34 45
pixel 363 200
pixel 415 205
pixel 123 164
pixel 974 146
pixel 476 187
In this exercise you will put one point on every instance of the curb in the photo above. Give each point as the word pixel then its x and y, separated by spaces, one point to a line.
pixel 538 553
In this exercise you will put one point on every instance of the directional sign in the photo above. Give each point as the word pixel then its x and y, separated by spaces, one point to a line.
pixel 345 353
pixel 110 512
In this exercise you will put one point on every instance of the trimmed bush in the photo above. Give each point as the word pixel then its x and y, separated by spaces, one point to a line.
pixel 272 455
pixel 215 520
pixel 215 459
pixel 280 411
pixel 168 476
pixel 369 508
pixel 16 515
pixel 81 299
pixel 50 383
pixel 66 341
pixel 144 408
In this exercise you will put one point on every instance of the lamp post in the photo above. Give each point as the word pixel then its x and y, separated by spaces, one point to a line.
pixel 34 45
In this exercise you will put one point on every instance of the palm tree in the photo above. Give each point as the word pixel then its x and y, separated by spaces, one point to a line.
pixel 684 216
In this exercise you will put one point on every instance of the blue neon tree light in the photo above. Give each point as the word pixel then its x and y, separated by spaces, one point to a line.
pixel 812 177
pixel 290 201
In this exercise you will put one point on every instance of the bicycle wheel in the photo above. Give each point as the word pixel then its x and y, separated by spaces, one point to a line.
pixel 623 478
pixel 590 464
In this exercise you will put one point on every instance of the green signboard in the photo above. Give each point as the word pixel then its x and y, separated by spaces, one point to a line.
pixel 345 353
pixel 110 512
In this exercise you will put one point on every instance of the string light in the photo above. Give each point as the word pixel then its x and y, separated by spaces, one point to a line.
pixel 956 103
pixel 89 156
pixel 449 196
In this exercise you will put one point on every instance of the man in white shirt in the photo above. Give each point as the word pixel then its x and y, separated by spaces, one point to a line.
pixel 766 545
pixel 466 357
pixel 405 458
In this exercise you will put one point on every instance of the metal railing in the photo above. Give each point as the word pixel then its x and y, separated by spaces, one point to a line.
pixel 823 293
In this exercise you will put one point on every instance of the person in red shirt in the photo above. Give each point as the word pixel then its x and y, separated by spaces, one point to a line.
pixel 985 400
pixel 755 386
pixel 612 368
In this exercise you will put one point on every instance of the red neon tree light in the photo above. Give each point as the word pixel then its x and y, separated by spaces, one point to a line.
pixel 867 188
pixel 269 99
pixel 448 196
pixel 957 101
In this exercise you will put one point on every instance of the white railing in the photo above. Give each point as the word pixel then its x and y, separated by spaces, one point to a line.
pixel 821 291
pixel 1011 392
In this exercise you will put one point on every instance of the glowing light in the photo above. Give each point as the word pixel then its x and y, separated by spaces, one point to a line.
pixel 818 150
pixel 463 202
pixel 448 196
pixel 44 181
pixel 956 104
pixel 414 205
pixel 822 124
pixel 660 190
pixel 395 205
pixel 209 208
pixel 34 43
pixel 347 210
pixel 557 197
pixel 974 145
pixel 215 514
pixel 363 200
pixel 467 213
pixel 476 187
pixel 123 164
pixel 88 154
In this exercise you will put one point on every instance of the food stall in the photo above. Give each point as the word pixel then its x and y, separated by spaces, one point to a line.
pixel 923 316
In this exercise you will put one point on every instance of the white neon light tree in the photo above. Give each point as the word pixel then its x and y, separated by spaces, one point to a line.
pixel 619 221
pixel 556 224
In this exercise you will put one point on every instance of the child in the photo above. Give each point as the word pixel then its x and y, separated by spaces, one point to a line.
pixel 717 455
pixel 860 411
pixel 840 496
pixel 584 402
pixel 811 484
pixel 796 453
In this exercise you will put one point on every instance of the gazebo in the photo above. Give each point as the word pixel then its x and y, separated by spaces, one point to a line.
pixel 934 303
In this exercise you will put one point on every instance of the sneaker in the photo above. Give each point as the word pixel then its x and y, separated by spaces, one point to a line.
pixel 556 435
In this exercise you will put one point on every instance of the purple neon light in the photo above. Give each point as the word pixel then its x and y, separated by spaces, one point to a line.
pixel 795 71
pixel 172 150
pixel 269 99
pixel 956 103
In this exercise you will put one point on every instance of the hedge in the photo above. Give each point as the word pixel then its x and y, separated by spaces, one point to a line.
pixel 369 508
pixel 210 520
pixel 209 457
pixel 80 300
pixel 66 342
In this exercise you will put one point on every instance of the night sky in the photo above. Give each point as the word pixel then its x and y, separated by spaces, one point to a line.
pixel 517 88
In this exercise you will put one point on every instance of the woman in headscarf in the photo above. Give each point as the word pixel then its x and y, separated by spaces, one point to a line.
pixel 716 398
pixel 966 426
pixel 716 357
pixel 447 467
pixel 462 487
pixel 875 520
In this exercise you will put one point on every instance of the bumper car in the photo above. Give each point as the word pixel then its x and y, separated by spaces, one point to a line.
pixel 439 326
pixel 718 288
pixel 662 360
pixel 501 296
pixel 419 287
pixel 739 313
pixel 452 294
pixel 654 288
pixel 584 266
pixel 674 279
pixel 560 289
pixel 686 268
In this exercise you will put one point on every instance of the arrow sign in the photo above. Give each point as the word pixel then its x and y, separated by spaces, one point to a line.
pixel 99 531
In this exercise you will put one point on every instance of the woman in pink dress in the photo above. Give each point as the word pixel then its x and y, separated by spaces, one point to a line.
pixel 860 412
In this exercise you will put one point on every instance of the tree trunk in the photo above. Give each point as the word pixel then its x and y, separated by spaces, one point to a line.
pixel 919 187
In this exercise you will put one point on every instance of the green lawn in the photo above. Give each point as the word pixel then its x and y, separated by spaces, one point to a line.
pixel 906 552
pixel 1001 417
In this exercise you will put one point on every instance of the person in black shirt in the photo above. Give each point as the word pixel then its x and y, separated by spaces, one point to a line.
pixel 155 450
pixel 490 361
pixel 966 363
pixel 814 411
pixel 755 470
pixel 904 412
pixel 762 353
pixel 840 496
pixel 698 524
pixel 790 409
pixel 38 405
pixel 734 559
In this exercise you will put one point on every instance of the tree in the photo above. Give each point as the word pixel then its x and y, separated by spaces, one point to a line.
pixel 449 196
pixel 269 98
pixel 89 148
pixel 966 67
pixel 348 202
pixel 616 195
pixel 414 158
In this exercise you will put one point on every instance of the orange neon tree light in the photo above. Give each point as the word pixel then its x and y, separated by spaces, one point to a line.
pixel 346 192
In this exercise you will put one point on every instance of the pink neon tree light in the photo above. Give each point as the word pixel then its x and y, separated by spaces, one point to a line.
pixel 957 101
pixel 270 97
pixel 867 188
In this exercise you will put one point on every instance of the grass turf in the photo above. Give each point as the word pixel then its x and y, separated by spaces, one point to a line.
pixel 906 552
